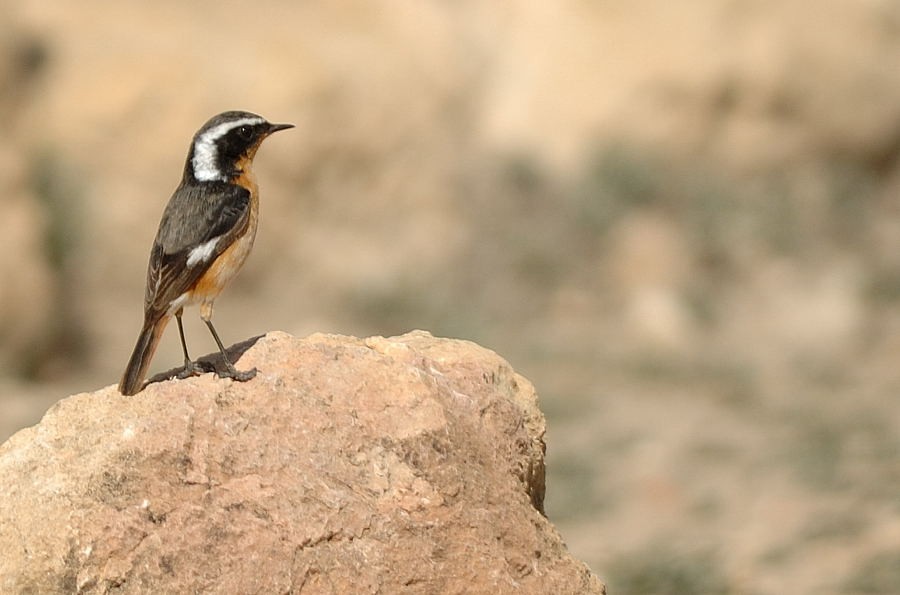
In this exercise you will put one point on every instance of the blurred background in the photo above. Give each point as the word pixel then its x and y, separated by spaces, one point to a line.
pixel 681 221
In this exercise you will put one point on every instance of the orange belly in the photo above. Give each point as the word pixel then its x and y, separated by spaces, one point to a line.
pixel 226 266
pixel 223 269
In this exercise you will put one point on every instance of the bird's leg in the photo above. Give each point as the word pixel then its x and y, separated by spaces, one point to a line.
pixel 230 371
pixel 191 368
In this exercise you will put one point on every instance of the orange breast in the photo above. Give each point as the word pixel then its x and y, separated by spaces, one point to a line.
pixel 224 268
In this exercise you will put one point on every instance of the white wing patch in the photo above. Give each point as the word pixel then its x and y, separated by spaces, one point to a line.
pixel 206 155
pixel 203 252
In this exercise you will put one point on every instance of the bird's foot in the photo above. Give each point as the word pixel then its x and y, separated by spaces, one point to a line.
pixel 194 369
pixel 235 374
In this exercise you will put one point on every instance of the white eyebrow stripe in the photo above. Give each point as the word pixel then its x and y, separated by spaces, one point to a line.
pixel 205 153
pixel 203 252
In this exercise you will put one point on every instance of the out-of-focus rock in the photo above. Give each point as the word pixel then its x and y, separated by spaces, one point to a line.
pixel 401 465
pixel 27 286
pixel 651 266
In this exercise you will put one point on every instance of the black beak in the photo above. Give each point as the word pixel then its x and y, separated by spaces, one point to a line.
pixel 277 127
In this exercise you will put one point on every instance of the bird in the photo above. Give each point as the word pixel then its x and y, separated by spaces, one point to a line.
pixel 205 235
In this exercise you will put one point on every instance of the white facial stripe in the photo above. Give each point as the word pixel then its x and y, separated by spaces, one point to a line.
pixel 203 252
pixel 206 154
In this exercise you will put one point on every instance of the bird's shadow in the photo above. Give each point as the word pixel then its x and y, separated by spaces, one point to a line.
pixel 211 362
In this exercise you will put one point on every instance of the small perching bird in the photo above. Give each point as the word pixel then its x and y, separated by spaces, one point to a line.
pixel 204 237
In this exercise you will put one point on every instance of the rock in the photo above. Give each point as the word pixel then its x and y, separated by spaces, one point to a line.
pixel 29 303
pixel 402 465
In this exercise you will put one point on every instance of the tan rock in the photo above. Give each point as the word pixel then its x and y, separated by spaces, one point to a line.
pixel 402 465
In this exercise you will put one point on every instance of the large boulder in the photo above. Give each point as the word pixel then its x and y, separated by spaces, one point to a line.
pixel 402 465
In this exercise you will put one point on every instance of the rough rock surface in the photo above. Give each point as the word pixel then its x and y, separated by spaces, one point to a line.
pixel 402 465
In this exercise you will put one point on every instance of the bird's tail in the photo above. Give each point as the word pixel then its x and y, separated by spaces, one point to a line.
pixel 136 370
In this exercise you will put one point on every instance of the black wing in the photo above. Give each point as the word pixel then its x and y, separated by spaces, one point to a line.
pixel 195 215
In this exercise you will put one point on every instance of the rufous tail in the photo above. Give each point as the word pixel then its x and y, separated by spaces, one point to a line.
pixel 133 379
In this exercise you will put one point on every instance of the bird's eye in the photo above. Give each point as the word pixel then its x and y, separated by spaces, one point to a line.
pixel 245 132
